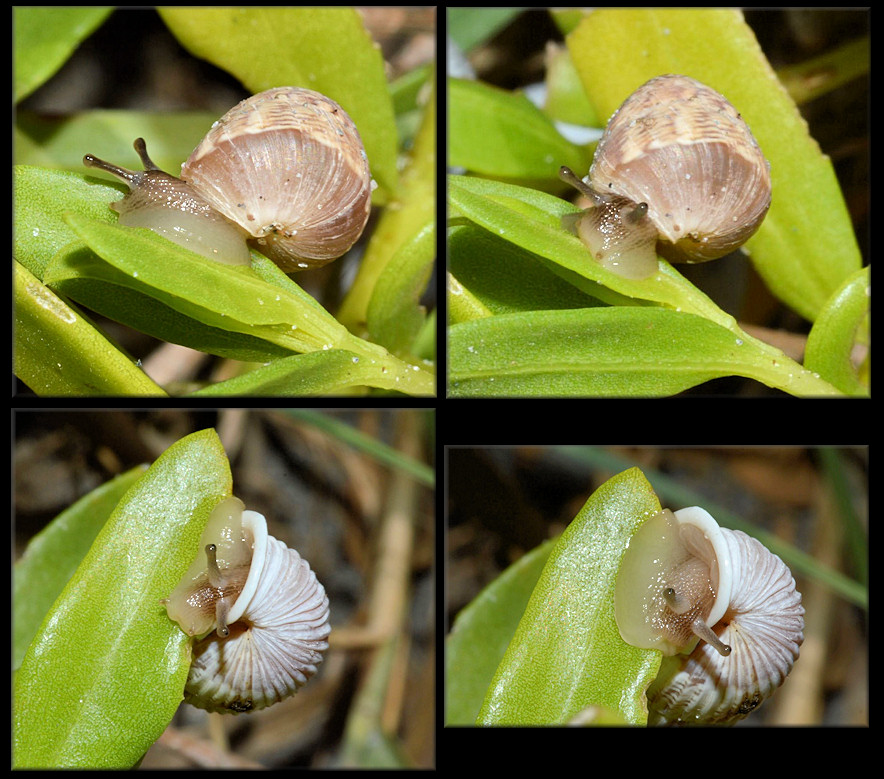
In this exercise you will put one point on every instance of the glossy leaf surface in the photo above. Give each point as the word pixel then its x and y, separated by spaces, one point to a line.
pixel 106 670
pixel 567 653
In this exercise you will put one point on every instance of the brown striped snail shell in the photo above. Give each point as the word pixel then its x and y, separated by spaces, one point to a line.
pixel 678 172
pixel 284 172
pixel 721 607
pixel 258 613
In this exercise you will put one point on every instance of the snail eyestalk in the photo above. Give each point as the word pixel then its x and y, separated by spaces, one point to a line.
pixel 676 602
pixel 569 177
pixel 213 571
pixel 91 161
pixel 222 609
pixel 598 198
pixel 141 147
pixel 701 629
pixel 222 606
pixel 637 214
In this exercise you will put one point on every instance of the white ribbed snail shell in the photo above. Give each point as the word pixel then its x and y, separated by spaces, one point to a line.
pixel 284 170
pixel 678 172
pixel 269 615
pixel 754 614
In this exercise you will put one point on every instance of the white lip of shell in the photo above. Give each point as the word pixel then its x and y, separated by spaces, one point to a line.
pixel 708 542
pixel 257 525
pixel 286 612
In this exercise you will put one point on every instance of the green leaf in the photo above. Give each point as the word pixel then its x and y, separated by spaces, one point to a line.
pixel 470 26
pixel 42 197
pixel 503 277
pixel 106 671
pixel 130 270
pixel 332 372
pixel 220 296
pixel 482 632
pixel 55 552
pixel 813 77
pixel 400 223
pixel 566 100
pixel 326 49
pixel 463 305
pixel 842 323
pixel 567 653
pixel 61 141
pixel 618 351
pixel 532 220
pixel 502 134
pixel 59 352
pixel 43 40
pixel 802 258
pixel 395 314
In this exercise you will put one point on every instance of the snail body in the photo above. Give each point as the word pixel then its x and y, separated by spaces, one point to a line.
pixel 284 172
pixel 256 610
pixel 721 607
pixel 678 172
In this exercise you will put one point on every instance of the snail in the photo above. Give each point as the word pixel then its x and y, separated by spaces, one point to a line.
pixel 721 607
pixel 284 172
pixel 678 172
pixel 258 613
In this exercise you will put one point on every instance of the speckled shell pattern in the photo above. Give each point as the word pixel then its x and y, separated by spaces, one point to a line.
pixel 763 625
pixel 683 149
pixel 273 649
pixel 289 167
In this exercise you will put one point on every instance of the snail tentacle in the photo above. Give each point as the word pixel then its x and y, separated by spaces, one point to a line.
pixel 702 630
pixel 676 601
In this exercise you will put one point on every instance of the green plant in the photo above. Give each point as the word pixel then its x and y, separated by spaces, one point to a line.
pixel 530 312
pixel 562 649
pixel 103 670
pixel 72 257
